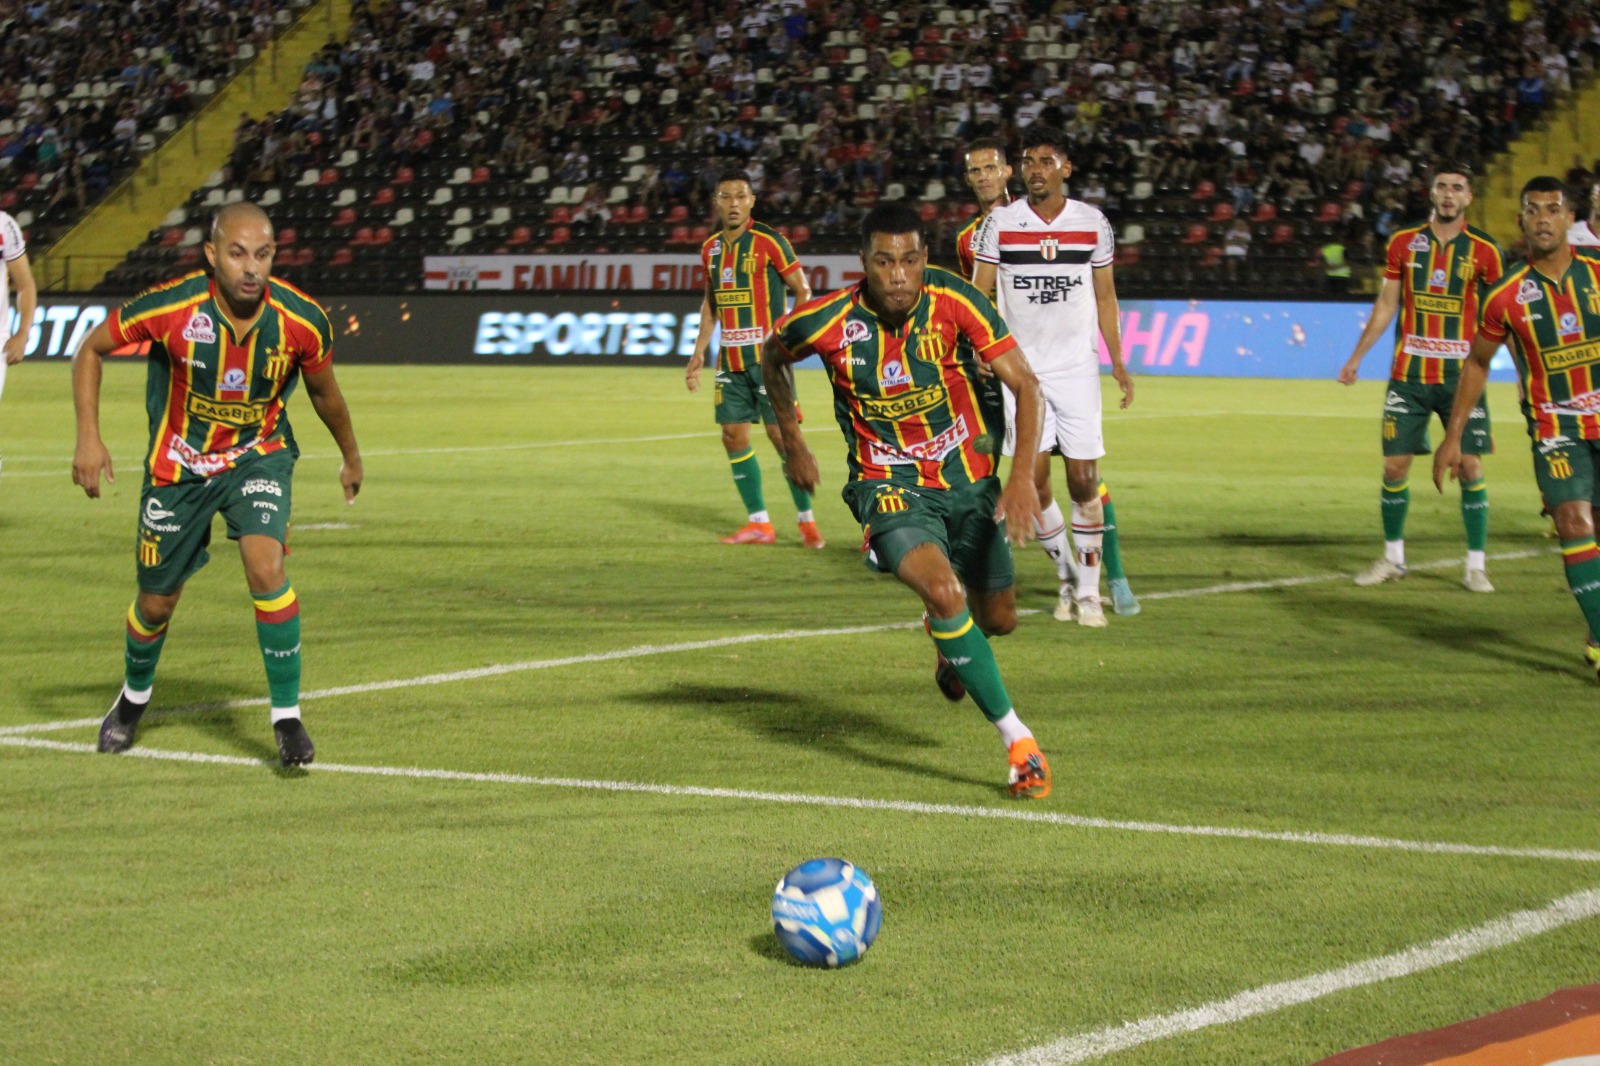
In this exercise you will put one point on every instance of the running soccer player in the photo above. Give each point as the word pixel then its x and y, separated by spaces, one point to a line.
pixel 745 262
pixel 900 349
pixel 226 352
pixel 1050 258
pixel 14 270
pixel 1435 273
pixel 1548 311
pixel 988 175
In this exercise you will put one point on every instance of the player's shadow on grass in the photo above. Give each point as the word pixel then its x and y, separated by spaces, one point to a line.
pixel 1450 629
pixel 194 704
pixel 715 521
pixel 810 723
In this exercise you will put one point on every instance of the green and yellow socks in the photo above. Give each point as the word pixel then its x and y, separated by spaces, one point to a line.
pixel 1394 503
pixel 140 655
pixel 278 633
pixel 747 479
pixel 1582 559
pixel 967 650
pixel 1475 516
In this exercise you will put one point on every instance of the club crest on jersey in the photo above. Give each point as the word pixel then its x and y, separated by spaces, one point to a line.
pixel 856 331
pixel 233 380
pixel 1048 247
pixel 200 329
pixel 1419 243
pixel 1529 292
pixel 894 373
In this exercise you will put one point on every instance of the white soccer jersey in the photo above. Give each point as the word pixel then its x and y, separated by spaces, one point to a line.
pixel 12 248
pixel 1583 235
pixel 1044 282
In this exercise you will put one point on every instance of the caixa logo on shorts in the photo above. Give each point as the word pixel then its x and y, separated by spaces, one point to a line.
pixel 200 330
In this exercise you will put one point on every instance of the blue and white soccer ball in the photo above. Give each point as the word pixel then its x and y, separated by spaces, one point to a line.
pixel 826 912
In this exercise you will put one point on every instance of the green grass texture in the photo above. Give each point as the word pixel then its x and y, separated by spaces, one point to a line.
pixel 552 534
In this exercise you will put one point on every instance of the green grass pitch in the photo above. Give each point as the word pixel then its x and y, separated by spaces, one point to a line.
pixel 189 912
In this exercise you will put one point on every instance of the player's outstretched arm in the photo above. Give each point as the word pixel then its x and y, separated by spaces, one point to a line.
pixel 1383 312
pixel 1019 499
pixel 1109 313
pixel 777 372
pixel 20 272
pixel 90 458
pixel 1469 390
pixel 328 400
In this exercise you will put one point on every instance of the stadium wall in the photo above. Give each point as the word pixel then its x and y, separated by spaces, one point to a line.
pixel 1198 338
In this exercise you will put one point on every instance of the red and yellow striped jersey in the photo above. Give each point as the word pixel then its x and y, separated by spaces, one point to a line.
pixel 215 399
pixel 1552 327
pixel 908 398
pixel 1440 286
pixel 746 290
pixel 964 254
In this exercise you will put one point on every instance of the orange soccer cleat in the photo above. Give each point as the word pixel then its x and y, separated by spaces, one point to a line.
pixel 1030 773
pixel 752 533
pixel 811 536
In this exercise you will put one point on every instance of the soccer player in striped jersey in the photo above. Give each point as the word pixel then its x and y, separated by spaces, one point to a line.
pixel 14 270
pixel 1548 312
pixel 226 352
pixel 1049 260
pixel 988 175
pixel 900 349
pixel 750 272
pixel 1434 275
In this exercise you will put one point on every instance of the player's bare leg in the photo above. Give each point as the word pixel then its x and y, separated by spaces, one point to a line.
pixel 278 632
pixel 1396 501
pixel 1088 532
pixel 146 633
pixel 805 517
pixel 959 636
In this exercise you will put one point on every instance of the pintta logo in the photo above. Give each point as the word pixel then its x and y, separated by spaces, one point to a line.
pixel 200 330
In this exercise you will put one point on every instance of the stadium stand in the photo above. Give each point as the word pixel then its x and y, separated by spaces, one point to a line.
pixel 91 88
pixel 494 126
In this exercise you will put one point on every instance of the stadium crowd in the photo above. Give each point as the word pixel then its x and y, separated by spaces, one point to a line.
pixel 604 126
pixel 87 87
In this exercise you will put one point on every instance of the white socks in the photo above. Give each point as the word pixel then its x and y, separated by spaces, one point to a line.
pixel 1051 529
pixel 1012 729
pixel 1088 534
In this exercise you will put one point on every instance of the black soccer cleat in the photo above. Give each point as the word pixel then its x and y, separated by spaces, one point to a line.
pixel 116 732
pixel 294 743
pixel 944 675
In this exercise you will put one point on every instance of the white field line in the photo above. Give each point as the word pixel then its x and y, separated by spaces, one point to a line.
pixel 1314 579
pixel 1456 947
pixel 1010 813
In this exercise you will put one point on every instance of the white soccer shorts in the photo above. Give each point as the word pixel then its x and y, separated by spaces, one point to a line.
pixel 1071 418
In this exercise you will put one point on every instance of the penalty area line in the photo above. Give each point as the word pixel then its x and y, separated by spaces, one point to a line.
pixel 1268 999
pixel 1013 813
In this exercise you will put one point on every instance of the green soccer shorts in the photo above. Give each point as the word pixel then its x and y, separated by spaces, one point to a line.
pixel 1565 469
pixel 1407 409
pixel 175 520
pixel 742 397
pixel 896 519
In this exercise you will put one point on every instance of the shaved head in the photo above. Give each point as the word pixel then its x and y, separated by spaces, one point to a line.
pixel 230 217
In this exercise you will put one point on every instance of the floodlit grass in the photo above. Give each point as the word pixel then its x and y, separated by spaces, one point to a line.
pixel 159 911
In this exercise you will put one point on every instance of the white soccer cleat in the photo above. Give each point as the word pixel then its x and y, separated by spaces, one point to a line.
pixel 1063 611
pixel 1476 581
pixel 1379 572
pixel 1090 613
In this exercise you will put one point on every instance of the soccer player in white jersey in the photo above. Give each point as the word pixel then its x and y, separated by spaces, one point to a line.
pixel 1048 259
pixel 14 270
pixel 1583 233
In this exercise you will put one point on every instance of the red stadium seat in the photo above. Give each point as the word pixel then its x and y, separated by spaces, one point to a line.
pixel 383 197
pixel 520 236
pixel 1205 190
pixel 29 181
pixel 424 139
pixel 672 133
pixel 560 215
pixel 700 234
pixel 329 176
pixel 560 235
pixel 1328 212
pixel 1354 189
pixel 190 256
pixel 929 211
pixel 800 234
pixel 1198 234
pixel 1282 233
pixel 345 217
pixel 1264 212
pixel 783 230
pixel 846 91
pixel 8 200
pixel 363 236
pixel 1128 255
pixel 385 235
pixel 619 215
pixel 747 113
pixel 480 175
pixel 287 236
pixel 679 213
pixel 679 235
pixel 342 257
pixel 638 213
pixel 171 237
pixel 1212 258
pixel 1222 211
pixel 405 176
